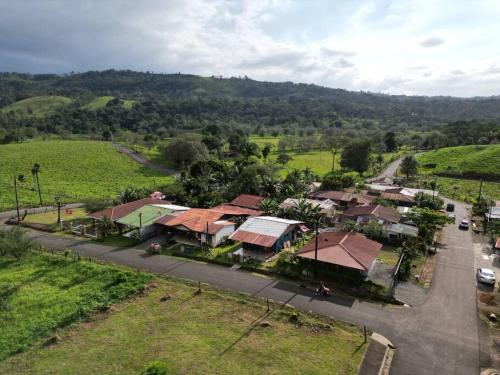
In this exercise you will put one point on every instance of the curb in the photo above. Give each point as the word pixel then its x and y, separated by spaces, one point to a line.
pixel 378 356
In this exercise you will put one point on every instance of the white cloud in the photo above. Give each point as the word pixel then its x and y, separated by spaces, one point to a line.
pixel 372 45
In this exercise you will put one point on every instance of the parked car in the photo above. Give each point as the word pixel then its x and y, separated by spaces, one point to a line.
pixel 450 207
pixel 464 224
pixel 451 215
pixel 485 276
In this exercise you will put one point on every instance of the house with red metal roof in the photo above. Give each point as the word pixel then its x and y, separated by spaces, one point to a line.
pixel 199 226
pixel 248 201
pixel 266 235
pixel 343 249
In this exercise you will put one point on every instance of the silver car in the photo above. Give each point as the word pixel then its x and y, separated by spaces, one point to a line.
pixel 485 276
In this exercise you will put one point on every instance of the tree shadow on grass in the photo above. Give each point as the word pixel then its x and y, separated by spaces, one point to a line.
pixel 251 327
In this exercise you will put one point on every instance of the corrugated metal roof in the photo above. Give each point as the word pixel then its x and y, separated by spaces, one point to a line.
pixel 381 212
pixel 253 238
pixel 172 207
pixel 195 219
pixel 497 245
pixel 262 229
pixel 326 204
pixel 144 216
pixel 227 209
pixel 346 249
pixel 248 201
pixel 117 212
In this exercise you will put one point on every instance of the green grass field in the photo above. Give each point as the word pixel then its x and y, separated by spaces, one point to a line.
pixel 38 106
pixel 464 161
pixel 101 101
pixel 81 169
pixel 50 217
pixel 461 189
pixel 43 292
pixel 214 332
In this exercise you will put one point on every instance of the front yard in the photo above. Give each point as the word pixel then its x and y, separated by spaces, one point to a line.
pixel 212 332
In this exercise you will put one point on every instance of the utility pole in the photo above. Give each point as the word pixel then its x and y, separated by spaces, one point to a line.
pixel 480 190
pixel 316 249
pixel 17 199
pixel 434 189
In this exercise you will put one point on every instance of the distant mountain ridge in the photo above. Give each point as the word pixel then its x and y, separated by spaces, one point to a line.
pixel 414 110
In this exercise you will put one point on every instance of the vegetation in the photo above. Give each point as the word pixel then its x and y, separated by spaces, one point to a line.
pixel 102 101
pixel 80 169
pixel 166 105
pixel 37 106
pixel 41 293
pixel 409 166
pixel 50 217
pixel 463 162
pixel 211 332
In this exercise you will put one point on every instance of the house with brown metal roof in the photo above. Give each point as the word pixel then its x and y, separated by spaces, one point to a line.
pixel 343 249
pixel 248 201
pixel 388 217
pixel 344 198
pixel 363 214
pixel 199 226
pixel 122 210
pixel 266 235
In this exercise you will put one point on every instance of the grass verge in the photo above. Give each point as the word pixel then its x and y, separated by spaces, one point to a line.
pixel 213 332
pixel 42 292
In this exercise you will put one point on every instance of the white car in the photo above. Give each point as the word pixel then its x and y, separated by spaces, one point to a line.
pixel 485 276
pixel 464 224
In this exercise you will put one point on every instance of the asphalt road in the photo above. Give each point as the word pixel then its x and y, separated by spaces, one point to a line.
pixel 388 172
pixel 437 337
pixel 142 160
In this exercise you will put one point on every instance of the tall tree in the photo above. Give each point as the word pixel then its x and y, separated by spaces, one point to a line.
pixel 35 170
pixel 409 166
pixel 356 156
pixel 391 144
pixel 283 158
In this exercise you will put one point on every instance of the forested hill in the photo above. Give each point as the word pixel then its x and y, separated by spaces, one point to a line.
pixel 324 102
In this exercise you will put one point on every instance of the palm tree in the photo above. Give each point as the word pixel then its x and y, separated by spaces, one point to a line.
pixel 35 170
pixel 104 226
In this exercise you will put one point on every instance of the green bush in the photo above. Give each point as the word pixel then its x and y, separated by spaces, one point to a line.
pixel 155 368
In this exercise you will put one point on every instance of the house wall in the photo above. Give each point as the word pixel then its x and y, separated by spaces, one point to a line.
pixel 221 235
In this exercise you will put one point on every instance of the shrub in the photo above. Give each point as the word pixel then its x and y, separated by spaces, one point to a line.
pixel 155 368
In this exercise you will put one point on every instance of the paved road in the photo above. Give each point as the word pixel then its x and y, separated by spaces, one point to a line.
pixel 389 172
pixel 142 160
pixel 437 337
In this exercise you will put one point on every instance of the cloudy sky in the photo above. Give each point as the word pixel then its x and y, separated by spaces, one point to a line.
pixel 435 47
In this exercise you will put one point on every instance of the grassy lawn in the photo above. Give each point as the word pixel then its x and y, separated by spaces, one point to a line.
pixel 101 101
pixel 388 255
pixel 214 332
pixel 463 161
pixel 43 292
pixel 38 106
pixel 50 217
pixel 81 169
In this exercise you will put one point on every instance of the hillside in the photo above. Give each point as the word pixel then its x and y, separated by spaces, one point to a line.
pixel 38 106
pixel 101 102
pixel 81 169
pixel 464 161
pixel 327 102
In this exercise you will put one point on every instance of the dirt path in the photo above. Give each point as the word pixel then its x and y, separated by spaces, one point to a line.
pixel 143 160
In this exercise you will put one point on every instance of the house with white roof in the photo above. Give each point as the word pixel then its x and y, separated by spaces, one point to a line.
pixel 326 206
pixel 268 235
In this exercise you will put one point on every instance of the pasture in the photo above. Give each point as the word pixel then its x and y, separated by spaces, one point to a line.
pixel 37 106
pixel 463 162
pixel 214 332
pixel 79 169
pixel 101 102
pixel 41 293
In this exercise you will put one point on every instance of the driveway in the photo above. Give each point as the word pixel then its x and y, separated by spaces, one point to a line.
pixel 438 337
